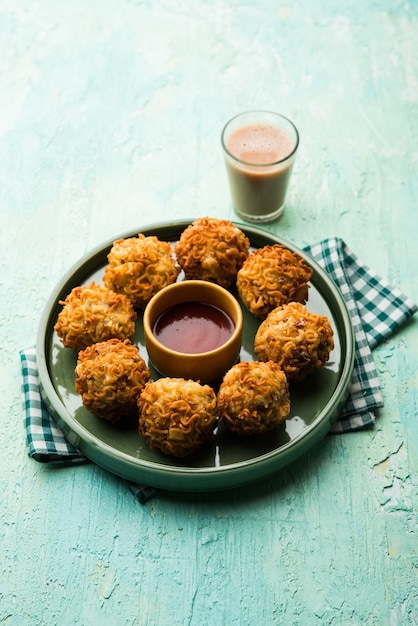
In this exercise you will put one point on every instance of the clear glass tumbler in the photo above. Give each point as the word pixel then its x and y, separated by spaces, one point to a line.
pixel 259 149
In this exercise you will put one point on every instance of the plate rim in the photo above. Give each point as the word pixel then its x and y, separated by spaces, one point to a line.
pixel 82 438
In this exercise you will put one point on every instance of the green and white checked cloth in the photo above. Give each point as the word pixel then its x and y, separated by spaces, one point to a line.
pixel 45 441
pixel 377 310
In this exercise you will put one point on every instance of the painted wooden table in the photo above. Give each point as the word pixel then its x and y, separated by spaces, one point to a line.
pixel 110 119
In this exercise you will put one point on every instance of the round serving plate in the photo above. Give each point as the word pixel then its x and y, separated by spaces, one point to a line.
pixel 225 461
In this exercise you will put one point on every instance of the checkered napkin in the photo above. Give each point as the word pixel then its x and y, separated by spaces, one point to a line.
pixel 45 441
pixel 377 310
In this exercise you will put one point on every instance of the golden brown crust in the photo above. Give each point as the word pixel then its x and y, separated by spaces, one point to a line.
pixel 272 276
pixel 253 398
pixel 110 376
pixel 139 267
pixel 298 340
pixel 176 415
pixel 94 313
pixel 212 249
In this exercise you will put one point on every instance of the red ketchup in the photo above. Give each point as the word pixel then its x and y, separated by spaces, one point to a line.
pixel 193 327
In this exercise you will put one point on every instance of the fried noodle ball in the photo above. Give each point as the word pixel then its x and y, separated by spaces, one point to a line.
pixel 298 340
pixel 212 249
pixel 110 376
pixel 139 267
pixel 272 276
pixel 253 398
pixel 94 313
pixel 176 415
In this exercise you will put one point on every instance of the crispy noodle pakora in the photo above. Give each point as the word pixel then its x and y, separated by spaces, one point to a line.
pixel 109 377
pixel 139 267
pixel 176 416
pixel 272 276
pixel 298 340
pixel 212 249
pixel 94 313
pixel 253 398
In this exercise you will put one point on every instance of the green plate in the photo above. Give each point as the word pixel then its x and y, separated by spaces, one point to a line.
pixel 225 461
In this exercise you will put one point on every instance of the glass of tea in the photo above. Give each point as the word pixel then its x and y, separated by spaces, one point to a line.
pixel 259 149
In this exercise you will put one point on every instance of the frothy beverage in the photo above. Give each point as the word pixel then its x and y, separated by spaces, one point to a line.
pixel 260 144
pixel 259 157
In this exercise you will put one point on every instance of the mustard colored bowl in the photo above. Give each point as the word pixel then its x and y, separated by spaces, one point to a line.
pixel 205 366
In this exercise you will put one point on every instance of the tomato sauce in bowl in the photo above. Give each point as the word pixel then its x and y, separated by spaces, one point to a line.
pixel 193 330
pixel 193 327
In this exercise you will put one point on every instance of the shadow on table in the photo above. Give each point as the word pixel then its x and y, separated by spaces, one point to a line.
pixel 300 472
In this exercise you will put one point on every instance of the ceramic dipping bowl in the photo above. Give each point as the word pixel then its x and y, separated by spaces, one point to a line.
pixel 193 330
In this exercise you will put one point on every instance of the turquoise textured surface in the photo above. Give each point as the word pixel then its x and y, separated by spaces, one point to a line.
pixel 110 120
